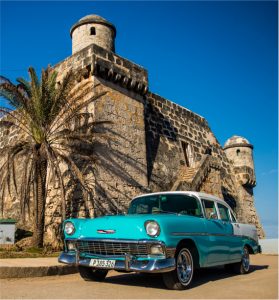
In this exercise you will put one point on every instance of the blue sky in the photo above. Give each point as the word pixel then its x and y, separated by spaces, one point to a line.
pixel 218 59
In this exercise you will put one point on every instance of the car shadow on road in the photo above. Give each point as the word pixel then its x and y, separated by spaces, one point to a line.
pixel 202 276
pixel 254 268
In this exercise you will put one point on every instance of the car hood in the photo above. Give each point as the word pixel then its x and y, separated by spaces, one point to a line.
pixel 132 226
pixel 118 227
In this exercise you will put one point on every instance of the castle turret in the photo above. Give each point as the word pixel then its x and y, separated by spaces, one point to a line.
pixel 93 29
pixel 240 152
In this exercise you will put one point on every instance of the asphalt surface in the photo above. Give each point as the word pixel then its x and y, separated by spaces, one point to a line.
pixel 213 283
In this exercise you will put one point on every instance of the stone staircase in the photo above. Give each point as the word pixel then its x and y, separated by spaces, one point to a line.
pixel 193 177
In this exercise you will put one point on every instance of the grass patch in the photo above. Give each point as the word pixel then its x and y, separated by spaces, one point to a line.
pixel 23 254
pixel 31 252
pixel 34 250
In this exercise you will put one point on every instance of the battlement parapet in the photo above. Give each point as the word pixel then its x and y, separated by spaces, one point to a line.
pixel 100 62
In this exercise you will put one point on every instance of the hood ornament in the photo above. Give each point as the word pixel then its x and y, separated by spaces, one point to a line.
pixel 106 231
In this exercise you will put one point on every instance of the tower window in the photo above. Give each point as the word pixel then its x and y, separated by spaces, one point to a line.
pixel 237 152
pixel 92 31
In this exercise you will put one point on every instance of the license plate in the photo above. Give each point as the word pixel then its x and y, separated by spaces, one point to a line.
pixel 102 263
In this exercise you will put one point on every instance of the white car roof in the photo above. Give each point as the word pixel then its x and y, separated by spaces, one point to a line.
pixel 190 193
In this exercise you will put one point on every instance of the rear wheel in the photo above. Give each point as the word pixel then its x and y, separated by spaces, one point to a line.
pixel 91 274
pixel 181 277
pixel 242 267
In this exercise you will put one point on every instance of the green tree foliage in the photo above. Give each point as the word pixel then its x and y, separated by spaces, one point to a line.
pixel 52 120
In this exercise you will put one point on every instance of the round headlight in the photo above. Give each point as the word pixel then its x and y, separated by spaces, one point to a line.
pixel 69 228
pixel 152 228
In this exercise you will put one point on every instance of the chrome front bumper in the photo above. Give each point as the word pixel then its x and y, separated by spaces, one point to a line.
pixel 128 263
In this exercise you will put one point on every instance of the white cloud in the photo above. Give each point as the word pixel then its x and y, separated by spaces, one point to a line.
pixel 272 171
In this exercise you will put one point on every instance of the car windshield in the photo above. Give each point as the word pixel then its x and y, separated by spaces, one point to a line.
pixel 166 203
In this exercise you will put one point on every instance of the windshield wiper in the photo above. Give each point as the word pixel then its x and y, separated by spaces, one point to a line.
pixel 164 212
pixel 154 212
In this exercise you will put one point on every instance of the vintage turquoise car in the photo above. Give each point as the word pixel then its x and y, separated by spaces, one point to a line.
pixel 172 233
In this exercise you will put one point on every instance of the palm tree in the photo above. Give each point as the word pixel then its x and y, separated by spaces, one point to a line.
pixel 51 118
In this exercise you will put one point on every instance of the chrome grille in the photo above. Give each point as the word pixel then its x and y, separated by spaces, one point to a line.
pixel 170 252
pixel 111 248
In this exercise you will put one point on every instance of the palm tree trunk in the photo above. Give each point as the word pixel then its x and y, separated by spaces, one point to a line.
pixel 39 218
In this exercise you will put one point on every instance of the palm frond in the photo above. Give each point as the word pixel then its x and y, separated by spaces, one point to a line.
pixel 12 93
pixel 26 85
pixel 8 171
pixel 17 119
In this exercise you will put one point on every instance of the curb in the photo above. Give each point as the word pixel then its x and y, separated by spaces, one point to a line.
pixel 20 272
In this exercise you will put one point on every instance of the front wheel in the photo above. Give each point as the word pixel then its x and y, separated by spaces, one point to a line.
pixel 181 277
pixel 91 274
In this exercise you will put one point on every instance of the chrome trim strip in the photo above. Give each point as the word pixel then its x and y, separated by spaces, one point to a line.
pixel 127 262
pixel 111 256
pixel 141 241
pixel 106 231
pixel 77 255
pixel 211 234
pixel 189 233
pixel 67 258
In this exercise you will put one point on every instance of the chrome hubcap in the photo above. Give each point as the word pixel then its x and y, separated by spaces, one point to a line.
pixel 184 266
pixel 245 259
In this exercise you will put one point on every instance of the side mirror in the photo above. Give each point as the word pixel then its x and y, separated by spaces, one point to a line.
pixel 213 215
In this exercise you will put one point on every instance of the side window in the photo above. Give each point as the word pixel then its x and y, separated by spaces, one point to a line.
pixel 224 212
pixel 233 217
pixel 210 210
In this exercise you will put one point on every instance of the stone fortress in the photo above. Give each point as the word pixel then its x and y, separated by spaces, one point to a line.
pixel 157 145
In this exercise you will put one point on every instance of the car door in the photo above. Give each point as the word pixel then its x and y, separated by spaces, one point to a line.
pixel 218 249
pixel 236 250
pixel 230 239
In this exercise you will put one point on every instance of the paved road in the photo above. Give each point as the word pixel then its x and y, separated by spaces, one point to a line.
pixel 209 283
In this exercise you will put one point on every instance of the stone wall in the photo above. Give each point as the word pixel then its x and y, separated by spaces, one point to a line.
pixel 120 170
pixel 168 125
pixel 121 158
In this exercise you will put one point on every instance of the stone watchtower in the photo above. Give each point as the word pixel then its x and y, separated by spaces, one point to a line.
pixel 119 173
pixel 240 152
pixel 93 29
